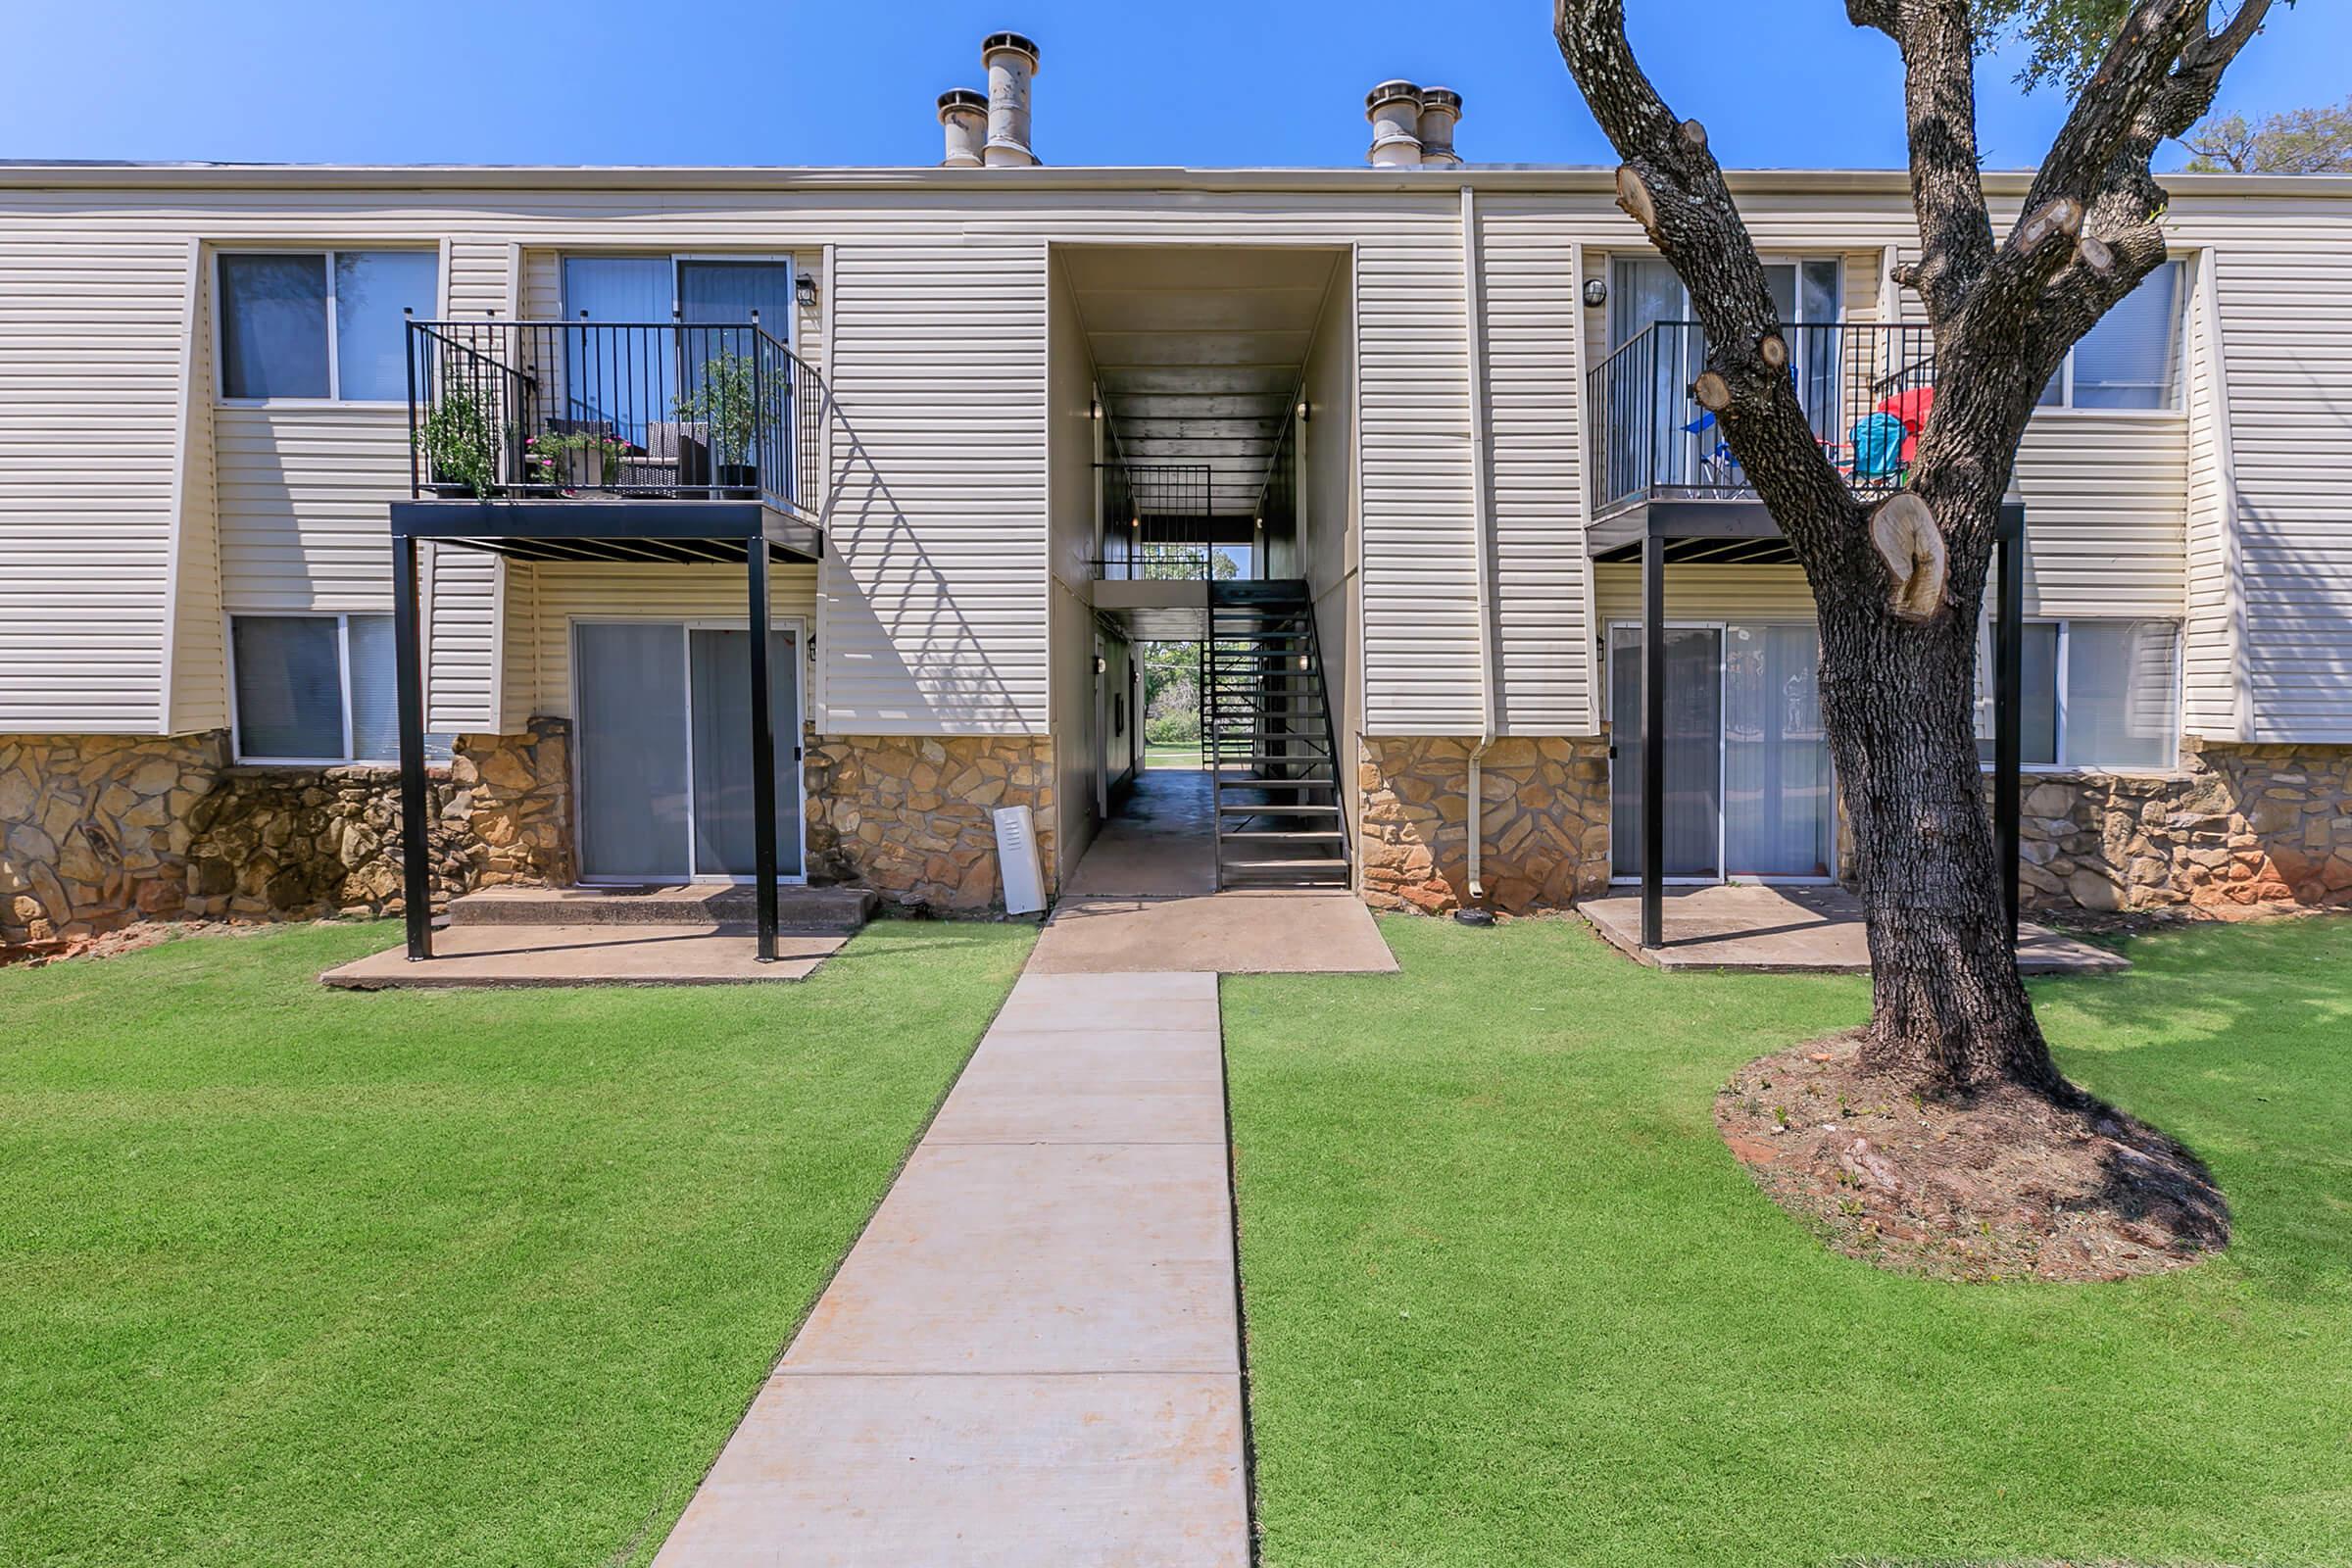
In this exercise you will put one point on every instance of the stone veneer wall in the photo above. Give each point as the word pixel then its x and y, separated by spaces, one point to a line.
pixel 96 831
pixel 1544 821
pixel 911 816
pixel 2240 826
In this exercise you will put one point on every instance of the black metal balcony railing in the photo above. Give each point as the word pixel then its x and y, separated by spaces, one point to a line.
pixel 1155 518
pixel 663 410
pixel 1866 389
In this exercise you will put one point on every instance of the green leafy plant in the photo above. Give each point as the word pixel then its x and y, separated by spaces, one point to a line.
pixel 731 403
pixel 545 455
pixel 459 438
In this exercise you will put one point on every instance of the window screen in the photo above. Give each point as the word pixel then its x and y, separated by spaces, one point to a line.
pixel 289 687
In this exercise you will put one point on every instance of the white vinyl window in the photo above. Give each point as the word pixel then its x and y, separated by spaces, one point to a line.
pixel 321 324
pixel 2131 359
pixel 2095 693
pixel 317 690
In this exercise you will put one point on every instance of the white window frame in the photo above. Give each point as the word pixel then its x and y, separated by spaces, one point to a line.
pixel 236 729
pixel 334 398
pixel 805 646
pixel 790 337
pixel 2061 677
pixel 2179 405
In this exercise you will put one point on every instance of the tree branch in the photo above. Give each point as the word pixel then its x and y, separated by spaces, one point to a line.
pixel 1940 109
pixel 1672 185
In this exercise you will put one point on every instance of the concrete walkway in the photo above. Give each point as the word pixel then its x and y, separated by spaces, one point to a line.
pixel 1033 1355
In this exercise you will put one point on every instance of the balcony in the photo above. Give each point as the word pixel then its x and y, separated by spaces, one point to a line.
pixel 532 413
pixel 1866 389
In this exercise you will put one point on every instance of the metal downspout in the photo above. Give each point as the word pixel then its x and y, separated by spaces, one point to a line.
pixel 1481 503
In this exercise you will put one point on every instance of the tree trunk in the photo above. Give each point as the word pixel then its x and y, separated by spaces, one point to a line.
pixel 1948 1013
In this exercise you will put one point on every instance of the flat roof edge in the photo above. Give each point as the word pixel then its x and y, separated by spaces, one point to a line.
pixel 1533 178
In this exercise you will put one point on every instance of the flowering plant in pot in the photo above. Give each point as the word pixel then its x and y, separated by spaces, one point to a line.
pixel 575 460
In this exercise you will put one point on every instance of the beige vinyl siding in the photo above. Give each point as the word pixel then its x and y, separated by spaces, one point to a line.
pixel 199 661
pixel 1066 430
pixel 1419 572
pixel 93 356
pixel 1327 510
pixel 2106 512
pixel 933 606
pixel 1705 592
pixel 2286 320
pixel 1529 265
pixel 2213 690
pixel 542 598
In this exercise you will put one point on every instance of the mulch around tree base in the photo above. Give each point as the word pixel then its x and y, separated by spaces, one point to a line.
pixel 2006 1185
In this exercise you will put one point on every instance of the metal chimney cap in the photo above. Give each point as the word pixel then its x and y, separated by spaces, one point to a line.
pixel 1391 92
pixel 961 98
pixel 1442 96
pixel 1008 40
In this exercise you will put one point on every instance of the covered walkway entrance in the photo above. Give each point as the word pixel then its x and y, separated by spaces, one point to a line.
pixel 1144 895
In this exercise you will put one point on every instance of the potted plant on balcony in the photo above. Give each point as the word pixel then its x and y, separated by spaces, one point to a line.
pixel 575 460
pixel 459 438
pixel 732 406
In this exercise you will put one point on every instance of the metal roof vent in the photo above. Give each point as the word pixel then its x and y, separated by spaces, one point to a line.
pixel 1395 109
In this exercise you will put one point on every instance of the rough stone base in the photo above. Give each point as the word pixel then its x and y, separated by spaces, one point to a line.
pixel 94 828
pixel 1543 822
pixel 911 816
pixel 2241 828
pixel 280 843
pixel 97 831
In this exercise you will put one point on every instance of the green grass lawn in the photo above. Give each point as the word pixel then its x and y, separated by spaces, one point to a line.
pixel 298 1276
pixel 1511 1301
pixel 1174 757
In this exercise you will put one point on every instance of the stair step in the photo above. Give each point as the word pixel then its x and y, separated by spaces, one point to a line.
pixel 1277 809
pixel 1284 867
pixel 1279 836
pixel 1320 760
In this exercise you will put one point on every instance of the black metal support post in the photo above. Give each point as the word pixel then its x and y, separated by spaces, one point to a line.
pixel 2008 705
pixel 1653 741
pixel 763 749
pixel 415 819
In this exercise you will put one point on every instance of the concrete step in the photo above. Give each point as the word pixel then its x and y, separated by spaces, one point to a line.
pixel 800 909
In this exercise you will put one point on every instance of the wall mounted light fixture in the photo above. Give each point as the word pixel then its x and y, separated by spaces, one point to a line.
pixel 804 290
pixel 1597 292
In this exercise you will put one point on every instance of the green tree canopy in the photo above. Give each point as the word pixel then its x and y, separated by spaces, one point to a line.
pixel 2294 141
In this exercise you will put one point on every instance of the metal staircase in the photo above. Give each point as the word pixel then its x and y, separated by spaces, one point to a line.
pixel 1272 747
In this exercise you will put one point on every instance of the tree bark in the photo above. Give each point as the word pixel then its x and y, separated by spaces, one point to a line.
pixel 1900 591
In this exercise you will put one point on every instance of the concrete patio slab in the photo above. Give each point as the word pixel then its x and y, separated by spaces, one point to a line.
pixel 1267 931
pixel 1797 930
pixel 981 1471
pixel 505 955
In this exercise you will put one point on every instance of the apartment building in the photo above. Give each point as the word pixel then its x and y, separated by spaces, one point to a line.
pixel 971 433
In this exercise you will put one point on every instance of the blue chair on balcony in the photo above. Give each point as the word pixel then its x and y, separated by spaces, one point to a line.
pixel 1878 447
pixel 1719 467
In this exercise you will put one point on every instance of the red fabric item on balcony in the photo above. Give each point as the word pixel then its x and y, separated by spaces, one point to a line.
pixel 1912 409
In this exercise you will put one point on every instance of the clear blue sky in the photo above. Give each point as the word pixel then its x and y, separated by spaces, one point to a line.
pixel 1217 82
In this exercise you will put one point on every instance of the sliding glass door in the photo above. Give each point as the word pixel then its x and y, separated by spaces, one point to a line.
pixel 1777 814
pixel 1693 748
pixel 664 730
pixel 1749 792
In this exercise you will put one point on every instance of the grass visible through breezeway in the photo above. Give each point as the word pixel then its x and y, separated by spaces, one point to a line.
pixel 1511 1301
pixel 298 1276
pixel 1181 758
